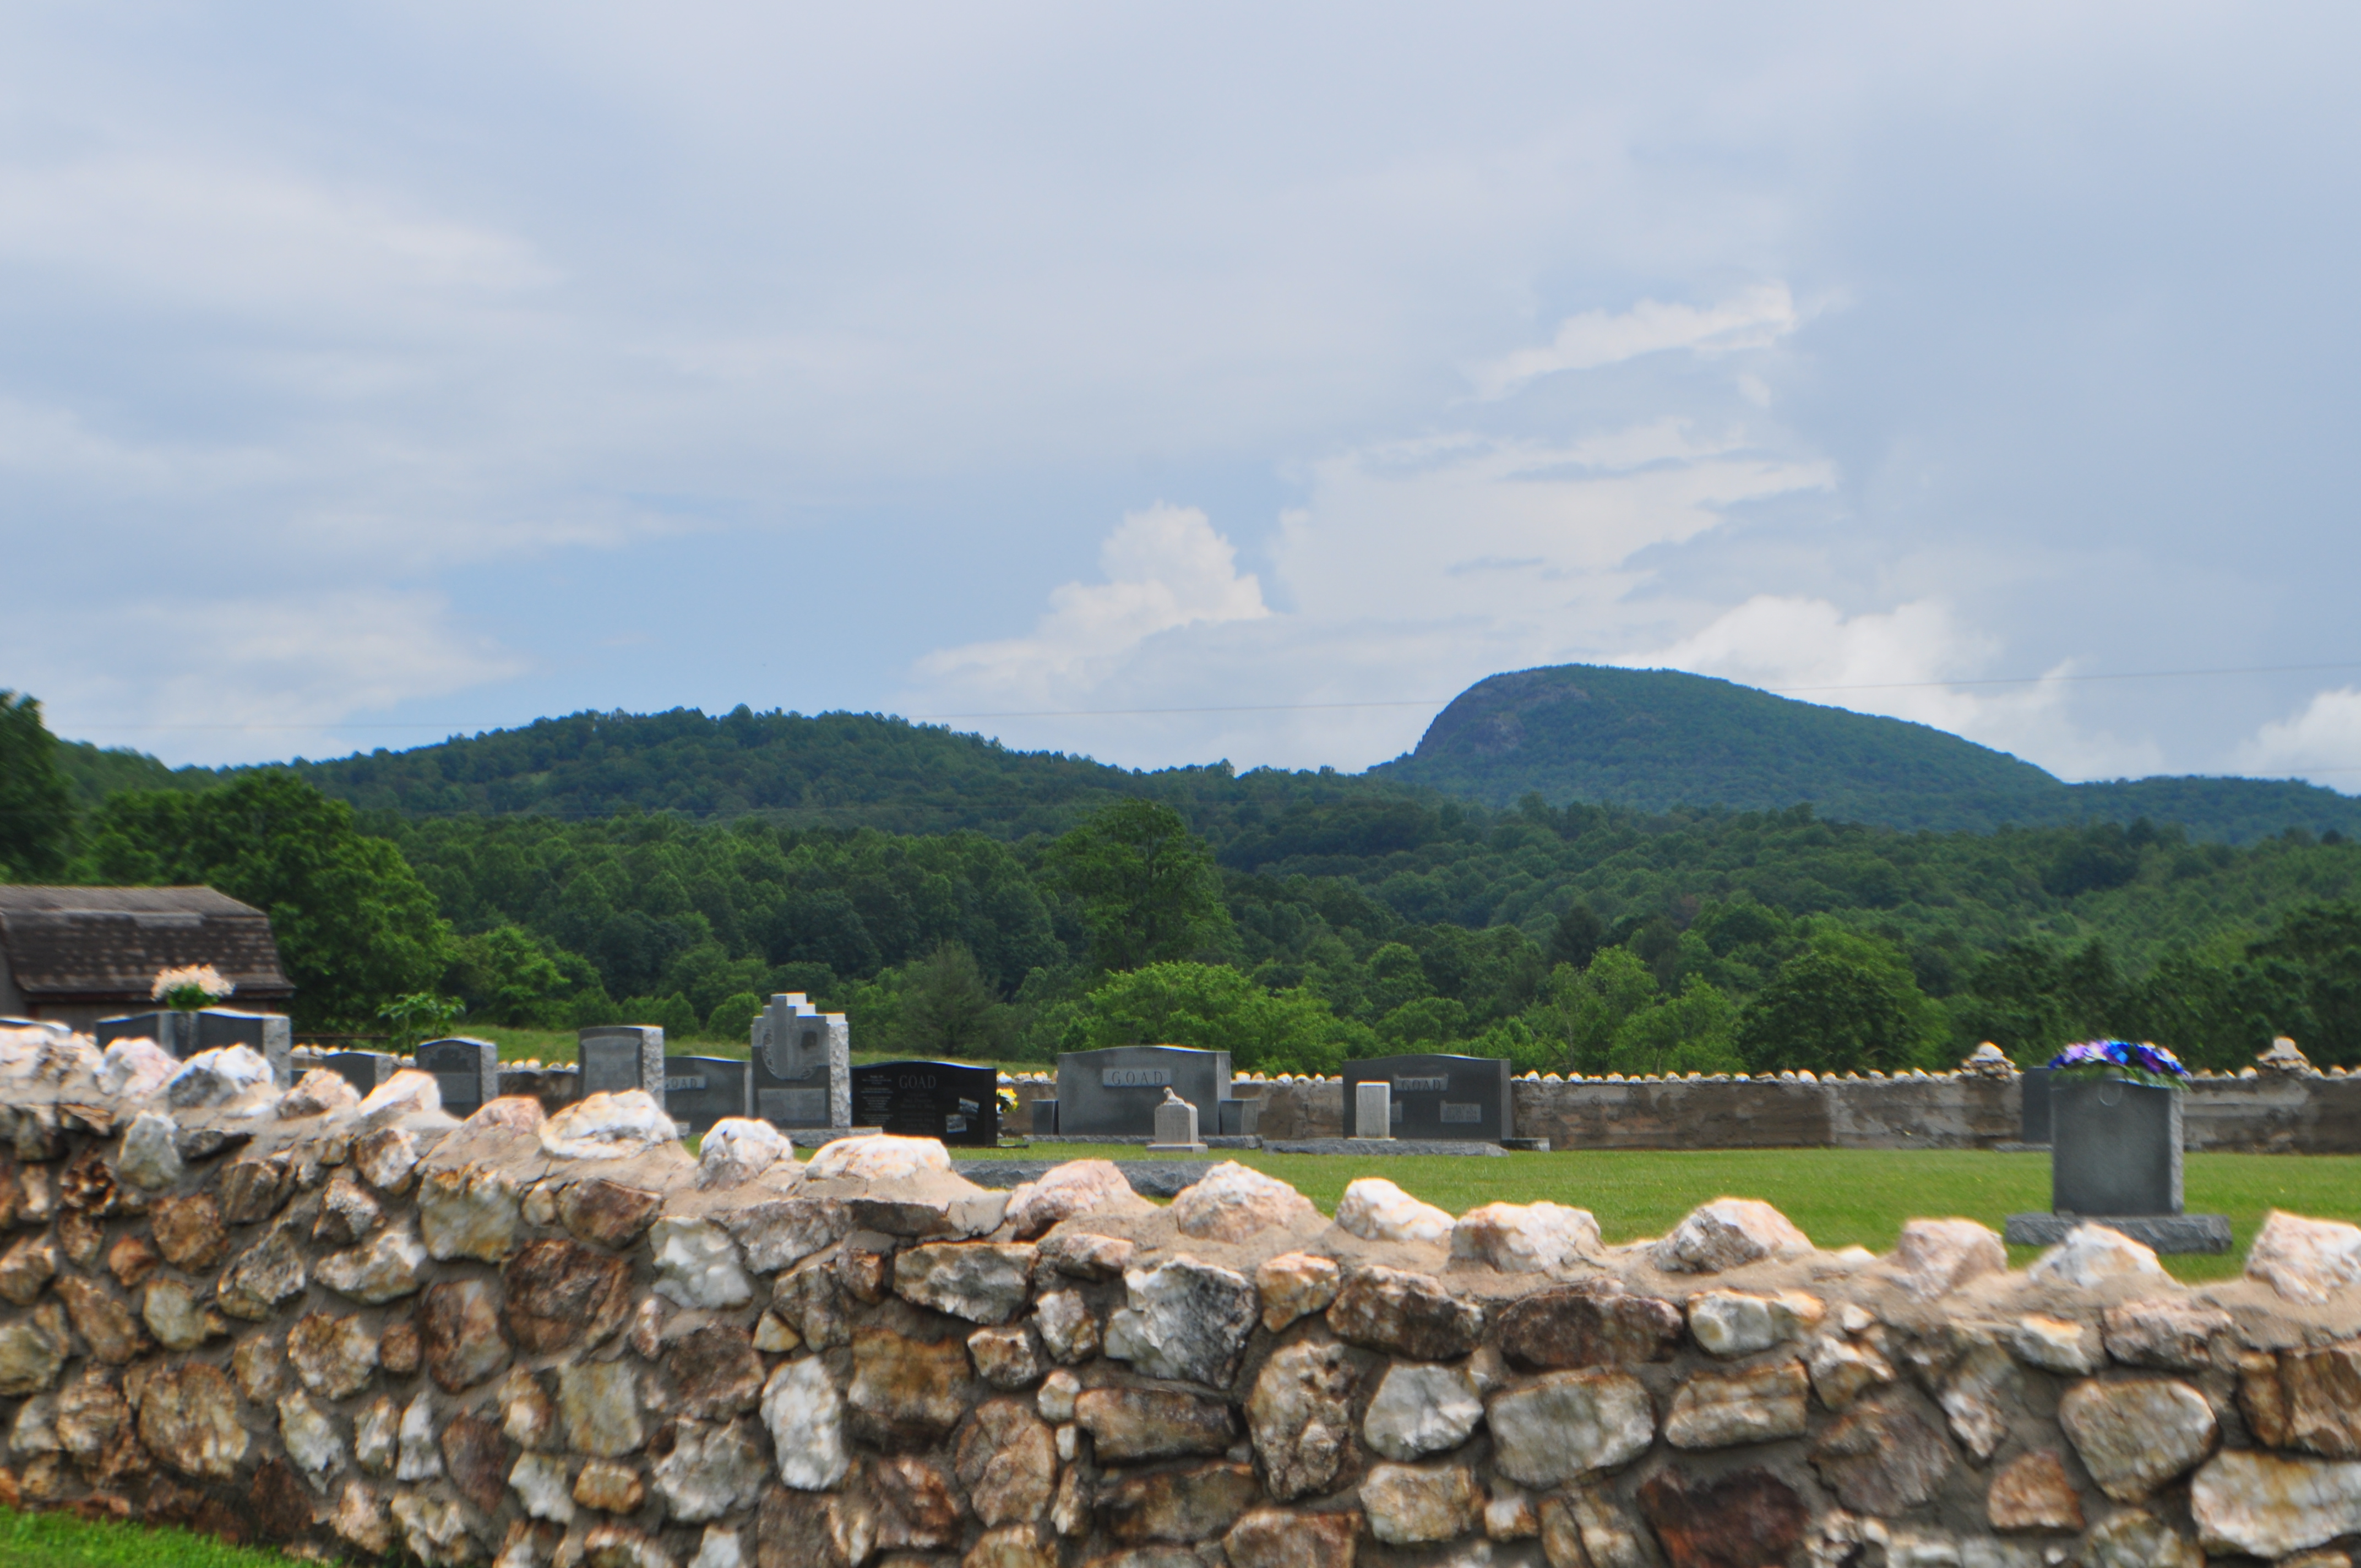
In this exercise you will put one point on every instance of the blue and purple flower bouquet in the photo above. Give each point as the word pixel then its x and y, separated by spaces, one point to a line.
pixel 2127 1059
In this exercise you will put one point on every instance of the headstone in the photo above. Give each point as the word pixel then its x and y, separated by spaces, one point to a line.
pixel 1045 1118
pixel 271 1035
pixel 1373 1109
pixel 2033 1122
pixel 802 1065
pixel 617 1057
pixel 173 1032
pixel 1241 1118
pixel 1441 1097
pixel 1115 1092
pixel 701 1091
pixel 364 1070
pixel 466 1071
pixel 2114 1148
pixel 950 1101
pixel 1176 1127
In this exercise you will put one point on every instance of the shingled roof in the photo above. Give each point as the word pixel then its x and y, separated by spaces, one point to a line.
pixel 107 943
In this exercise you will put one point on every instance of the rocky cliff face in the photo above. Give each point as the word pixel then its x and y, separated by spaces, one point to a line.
pixel 361 1327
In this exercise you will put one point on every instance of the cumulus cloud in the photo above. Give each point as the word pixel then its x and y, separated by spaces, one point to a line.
pixel 2321 743
pixel 1752 318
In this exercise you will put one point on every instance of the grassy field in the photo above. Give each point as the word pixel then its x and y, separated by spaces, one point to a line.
pixel 60 1540
pixel 1839 1197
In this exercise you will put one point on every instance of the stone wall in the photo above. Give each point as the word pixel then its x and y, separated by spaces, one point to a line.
pixel 547 1340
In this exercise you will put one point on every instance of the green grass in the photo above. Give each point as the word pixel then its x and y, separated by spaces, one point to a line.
pixel 62 1540
pixel 1839 1197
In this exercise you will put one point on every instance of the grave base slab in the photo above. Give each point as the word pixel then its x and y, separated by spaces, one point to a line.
pixel 2158 1233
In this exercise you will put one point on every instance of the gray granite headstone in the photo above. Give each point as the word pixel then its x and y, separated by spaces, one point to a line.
pixel 1373 1109
pixel 955 1101
pixel 467 1071
pixel 802 1065
pixel 701 1091
pixel 364 1070
pixel 1443 1097
pixel 2115 1148
pixel 1116 1091
pixel 2033 1122
pixel 1176 1127
pixel 1045 1118
pixel 617 1057
pixel 271 1035
pixel 173 1032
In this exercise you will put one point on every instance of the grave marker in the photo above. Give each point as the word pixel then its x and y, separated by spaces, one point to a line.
pixel 2033 1120
pixel 1115 1091
pixel 466 1071
pixel 617 1057
pixel 701 1091
pixel 955 1101
pixel 271 1035
pixel 1441 1097
pixel 802 1065
pixel 1373 1109
pixel 1176 1127
pixel 364 1070
pixel 171 1031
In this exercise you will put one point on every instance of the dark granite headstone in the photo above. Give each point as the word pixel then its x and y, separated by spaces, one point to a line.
pixel 2034 1121
pixel 1115 1091
pixel 618 1056
pixel 802 1065
pixel 1045 1118
pixel 271 1035
pixel 1443 1097
pixel 950 1101
pixel 2115 1148
pixel 466 1071
pixel 701 1091
pixel 364 1070
pixel 172 1031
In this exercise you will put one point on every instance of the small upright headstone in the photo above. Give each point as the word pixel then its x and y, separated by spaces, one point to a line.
pixel 954 1102
pixel 271 1035
pixel 1115 1092
pixel 701 1091
pixel 173 1032
pixel 1176 1127
pixel 364 1070
pixel 2114 1157
pixel 2033 1120
pixel 1373 1109
pixel 617 1057
pixel 1443 1097
pixel 1045 1118
pixel 467 1071
pixel 802 1065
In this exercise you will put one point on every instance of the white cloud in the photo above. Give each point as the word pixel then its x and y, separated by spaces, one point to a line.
pixel 2321 743
pixel 1914 662
pixel 1165 568
pixel 1752 318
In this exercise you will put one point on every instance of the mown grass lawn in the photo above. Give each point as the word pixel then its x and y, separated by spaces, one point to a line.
pixel 62 1540
pixel 1839 1197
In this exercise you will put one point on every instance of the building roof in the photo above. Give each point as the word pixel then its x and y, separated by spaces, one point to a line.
pixel 108 942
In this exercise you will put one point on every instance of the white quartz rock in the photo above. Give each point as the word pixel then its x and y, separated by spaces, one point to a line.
pixel 216 1078
pixel 736 1150
pixel 1421 1409
pixel 150 1159
pixel 135 1068
pixel 805 1415
pixel 881 1157
pixel 1525 1238
pixel 696 1264
pixel 1377 1211
pixel 608 1126
pixel 2091 1254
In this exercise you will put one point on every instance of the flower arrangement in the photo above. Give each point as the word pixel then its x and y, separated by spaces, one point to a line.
pixel 2134 1063
pixel 192 986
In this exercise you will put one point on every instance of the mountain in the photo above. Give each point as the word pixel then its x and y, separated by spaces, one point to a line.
pixel 1653 739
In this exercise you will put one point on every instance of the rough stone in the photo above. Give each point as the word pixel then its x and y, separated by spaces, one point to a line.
pixel 1403 1313
pixel 103 1318
pixel 150 1159
pixel 189 1233
pixel 2167 1334
pixel 1184 1319
pixel 1588 1325
pixel 879 1158
pixel 347 1212
pixel 1526 1238
pixel 1055 1398
pixel 1933 1257
pixel 1299 1416
pixel 611 1487
pixel 1737 1519
pixel 359 1518
pixel 1564 1425
pixel 2269 1506
pixel 1843 1371
pixel 475 1457
pixel 737 1149
pixel 399 1350
pixel 1377 1211
pixel 1739 1322
pixel 812 1299
pixel 472 1212
pixel 387 1160
pixel 530 1420
pixel 188 1419
pixel 1010 1546
pixel 253 1189
pixel 2032 1492
pixel 540 1483
pixel 2090 1255
pixel 716 1371
pixel 334 1357
pixel 32 1351
pixel 1420 1408
pixel 1008 1463
pixel 1409 1505
pixel 598 1409
pixel 281 1505
pixel 2135 1435
pixel 1294 1285
pixel 1128 1424
pixel 391 1266
pixel 318 1093
pixel 1584 1524
pixel 1753 1404
pixel 907 1385
pixel 646 1335
pixel 90 1414
pixel 459 1334
pixel 696 1265
pixel 27 1270
pixel 865 1264
pixel 256 1365
pixel 607 1213
pixel 216 1078
pixel 608 1126
pixel 2054 1344
pixel 560 1294
pixel 984 1282
pixel 1008 1358
pixel 134 1069
pixel 806 1418
pixel 1728 1234
pixel 309 1435
pixel 131 1260
pixel 420 1459
pixel 1976 1397
pixel 1281 1538
pixel 432 1527
pixel 2305 1260
pixel 78 1236
pixel 1080 1254
pixel 712 1472
pixel 377 1436
pixel 1077 1186
pixel 1232 1203
pixel 1882 1458
pixel 915 1505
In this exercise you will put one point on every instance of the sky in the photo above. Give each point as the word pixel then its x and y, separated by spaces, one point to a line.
pixel 1174 384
